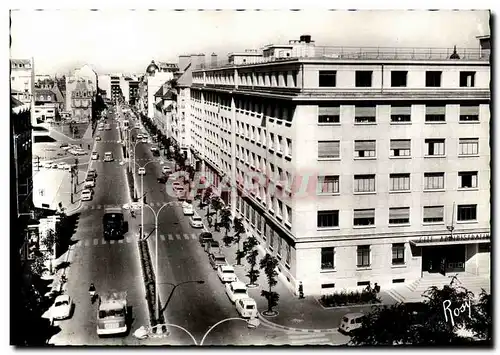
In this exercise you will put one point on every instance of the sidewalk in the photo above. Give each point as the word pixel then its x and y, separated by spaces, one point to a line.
pixel 304 315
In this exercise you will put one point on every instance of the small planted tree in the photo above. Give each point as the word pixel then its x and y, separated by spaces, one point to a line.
pixel 49 242
pixel 216 206
pixel 239 229
pixel 269 264
pixel 225 222
pixel 252 253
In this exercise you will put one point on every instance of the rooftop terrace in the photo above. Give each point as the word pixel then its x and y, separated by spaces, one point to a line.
pixel 368 53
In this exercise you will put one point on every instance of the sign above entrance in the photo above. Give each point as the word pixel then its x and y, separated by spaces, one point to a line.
pixel 451 239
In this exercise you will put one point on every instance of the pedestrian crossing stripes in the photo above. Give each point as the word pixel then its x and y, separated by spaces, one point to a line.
pixel 128 240
pixel 309 339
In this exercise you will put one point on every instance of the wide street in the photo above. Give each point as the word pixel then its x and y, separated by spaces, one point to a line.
pixel 110 266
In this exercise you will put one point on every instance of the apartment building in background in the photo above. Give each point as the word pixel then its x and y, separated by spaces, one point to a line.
pixel 352 166
pixel 81 90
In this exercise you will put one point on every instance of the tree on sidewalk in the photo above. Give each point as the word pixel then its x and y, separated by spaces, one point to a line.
pixel 225 222
pixel 49 242
pixel 205 200
pixel 216 206
pixel 252 253
pixel 269 264
pixel 239 229
pixel 482 320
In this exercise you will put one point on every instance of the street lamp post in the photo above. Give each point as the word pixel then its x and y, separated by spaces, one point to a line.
pixel 174 287
pixel 142 193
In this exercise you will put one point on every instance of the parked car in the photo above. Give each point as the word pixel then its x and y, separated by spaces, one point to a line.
pixel 138 126
pixel 139 136
pixel 98 138
pixel 86 195
pixel 64 145
pixel 141 171
pixel 92 174
pixel 61 309
pixel 246 307
pixel 350 322
pixel 195 221
pixel 205 237
pixel 166 170
pixel 107 127
pixel 162 179
pixel 236 290
pixel 100 128
pixel 226 273
pixel 95 156
pixel 217 259
pixel 212 246
pixel 89 183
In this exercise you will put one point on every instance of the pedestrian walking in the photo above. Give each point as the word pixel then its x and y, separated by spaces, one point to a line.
pixel 301 290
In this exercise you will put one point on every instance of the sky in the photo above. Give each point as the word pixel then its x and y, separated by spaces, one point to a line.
pixel 127 40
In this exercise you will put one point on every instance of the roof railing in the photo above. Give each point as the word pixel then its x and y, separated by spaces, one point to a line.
pixel 364 53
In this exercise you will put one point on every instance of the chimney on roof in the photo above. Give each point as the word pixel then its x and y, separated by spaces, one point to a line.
pixel 213 59
pixel 305 38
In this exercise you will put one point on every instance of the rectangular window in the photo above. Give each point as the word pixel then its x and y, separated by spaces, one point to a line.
pixel 364 78
pixel 433 214
pixel 288 254
pixel 433 79
pixel 467 79
pixel 327 258
pixel 468 146
pixel 364 183
pixel 253 217
pixel 399 215
pixel 399 182
pixel 363 255
pixel 466 213
pixel 433 181
pixel 400 147
pixel 365 149
pixel 468 179
pixel 469 113
pixel 434 147
pixel 289 215
pixel 329 115
pixel 327 78
pixel 400 114
pixel 365 114
pixel 364 217
pixel 398 254
pixel 435 113
pixel 329 149
pixel 328 184
pixel 398 78
pixel 328 219
pixel 259 223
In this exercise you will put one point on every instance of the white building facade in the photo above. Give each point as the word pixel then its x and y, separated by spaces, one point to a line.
pixel 353 167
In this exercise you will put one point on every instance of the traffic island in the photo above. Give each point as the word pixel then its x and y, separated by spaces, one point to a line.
pixel 131 183
pixel 149 282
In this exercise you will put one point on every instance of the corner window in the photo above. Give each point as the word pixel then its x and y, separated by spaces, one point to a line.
pixel 433 79
pixel 364 78
pixel 467 79
pixel 466 213
pixel 327 78
pixel 398 78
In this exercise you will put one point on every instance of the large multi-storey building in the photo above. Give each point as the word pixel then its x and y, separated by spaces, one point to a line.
pixel 22 77
pixel 81 90
pixel 116 90
pixel 352 166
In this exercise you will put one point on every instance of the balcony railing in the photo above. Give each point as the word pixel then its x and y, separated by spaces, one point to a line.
pixel 368 53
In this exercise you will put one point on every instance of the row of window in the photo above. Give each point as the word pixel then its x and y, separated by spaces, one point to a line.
pixel 399 114
pixel 330 184
pixel 399 78
pixel 397 216
pixel 398 148
pixel 270 79
pixel 363 256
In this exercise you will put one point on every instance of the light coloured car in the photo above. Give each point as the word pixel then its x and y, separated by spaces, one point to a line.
pixel 86 195
pixel 100 128
pixel 166 170
pixel 226 273
pixel 89 182
pixel 80 152
pixel 246 307
pixel 350 322
pixel 61 309
pixel 195 221
pixel 217 259
pixel 145 139
pixel 107 127
pixel 48 164
pixel 141 171
pixel 188 210
pixel 236 290
pixel 98 138
pixel 139 136
pixel 95 155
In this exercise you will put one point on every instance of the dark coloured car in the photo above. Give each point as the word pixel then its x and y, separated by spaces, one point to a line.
pixel 162 179
pixel 205 237
pixel 212 246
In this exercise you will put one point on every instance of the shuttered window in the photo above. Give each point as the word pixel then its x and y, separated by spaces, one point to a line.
pixel 329 114
pixel 365 114
pixel 469 113
pixel 365 217
pixel 435 113
pixel 400 114
pixel 329 149
pixel 400 147
pixel 433 214
pixel 399 215
pixel 364 149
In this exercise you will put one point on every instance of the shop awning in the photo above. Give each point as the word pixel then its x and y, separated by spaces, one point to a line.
pixel 448 239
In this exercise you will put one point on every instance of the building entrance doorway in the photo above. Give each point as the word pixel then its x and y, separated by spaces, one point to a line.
pixel 443 259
